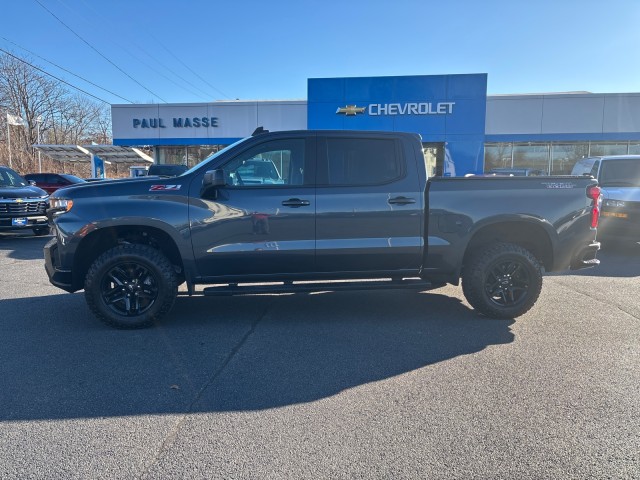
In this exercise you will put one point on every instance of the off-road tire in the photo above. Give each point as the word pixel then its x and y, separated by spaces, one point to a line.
pixel 502 281
pixel 130 286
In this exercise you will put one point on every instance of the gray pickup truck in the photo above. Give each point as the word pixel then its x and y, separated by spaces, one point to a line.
pixel 350 210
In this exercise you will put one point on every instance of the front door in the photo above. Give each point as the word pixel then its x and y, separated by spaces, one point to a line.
pixel 262 222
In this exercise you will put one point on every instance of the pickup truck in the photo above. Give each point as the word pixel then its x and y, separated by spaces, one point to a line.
pixel 619 179
pixel 354 210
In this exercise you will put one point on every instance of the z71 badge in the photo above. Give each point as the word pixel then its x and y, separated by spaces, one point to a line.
pixel 155 188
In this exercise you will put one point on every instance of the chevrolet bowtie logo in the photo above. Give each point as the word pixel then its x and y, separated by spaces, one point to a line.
pixel 350 110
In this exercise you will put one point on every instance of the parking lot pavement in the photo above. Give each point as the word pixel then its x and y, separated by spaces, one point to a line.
pixel 337 385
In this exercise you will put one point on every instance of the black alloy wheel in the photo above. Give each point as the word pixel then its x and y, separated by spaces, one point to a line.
pixel 131 286
pixel 503 280
pixel 129 289
pixel 507 283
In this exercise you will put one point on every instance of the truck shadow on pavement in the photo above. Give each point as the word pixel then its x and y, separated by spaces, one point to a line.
pixel 23 246
pixel 225 354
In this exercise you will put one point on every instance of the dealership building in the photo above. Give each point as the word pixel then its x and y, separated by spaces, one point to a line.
pixel 463 129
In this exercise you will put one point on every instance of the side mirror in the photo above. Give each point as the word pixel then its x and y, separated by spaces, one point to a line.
pixel 32 182
pixel 214 178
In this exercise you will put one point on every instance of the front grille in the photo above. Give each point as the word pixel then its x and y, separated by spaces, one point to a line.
pixel 27 207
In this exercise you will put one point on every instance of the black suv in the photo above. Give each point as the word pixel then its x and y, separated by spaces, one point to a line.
pixel 22 204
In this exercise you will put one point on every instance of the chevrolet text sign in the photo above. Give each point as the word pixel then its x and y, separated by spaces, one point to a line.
pixel 446 110
pixel 423 108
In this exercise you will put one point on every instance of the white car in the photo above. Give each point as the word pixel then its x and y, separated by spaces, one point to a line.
pixel 619 178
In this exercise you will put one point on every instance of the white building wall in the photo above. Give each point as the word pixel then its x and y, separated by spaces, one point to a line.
pixel 563 113
pixel 234 119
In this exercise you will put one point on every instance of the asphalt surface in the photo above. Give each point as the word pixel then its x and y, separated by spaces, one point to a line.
pixel 391 384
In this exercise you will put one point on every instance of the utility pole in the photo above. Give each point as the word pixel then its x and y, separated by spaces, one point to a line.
pixel 38 121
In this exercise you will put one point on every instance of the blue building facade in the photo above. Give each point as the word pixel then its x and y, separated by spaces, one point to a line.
pixel 448 111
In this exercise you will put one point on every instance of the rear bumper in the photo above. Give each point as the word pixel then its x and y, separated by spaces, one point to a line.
pixel 59 277
pixel 586 257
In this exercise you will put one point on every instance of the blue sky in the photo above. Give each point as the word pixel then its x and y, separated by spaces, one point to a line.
pixel 197 50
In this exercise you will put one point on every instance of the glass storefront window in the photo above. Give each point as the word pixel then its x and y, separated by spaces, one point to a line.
pixel 433 158
pixel 190 156
pixel 497 155
pixel 634 148
pixel 564 156
pixel 531 155
pixel 606 148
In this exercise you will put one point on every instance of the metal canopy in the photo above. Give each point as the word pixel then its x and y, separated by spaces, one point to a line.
pixel 85 153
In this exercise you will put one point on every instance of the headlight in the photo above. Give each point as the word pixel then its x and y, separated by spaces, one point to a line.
pixel 61 204
pixel 614 203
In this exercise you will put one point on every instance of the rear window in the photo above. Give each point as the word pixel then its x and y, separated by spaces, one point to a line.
pixel 366 161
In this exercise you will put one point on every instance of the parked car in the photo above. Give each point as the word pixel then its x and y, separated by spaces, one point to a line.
pixel 50 182
pixel 619 178
pixel 360 208
pixel 22 205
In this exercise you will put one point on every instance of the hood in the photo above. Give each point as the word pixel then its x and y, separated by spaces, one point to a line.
pixel 124 186
pixel 29 191
pixel 628 194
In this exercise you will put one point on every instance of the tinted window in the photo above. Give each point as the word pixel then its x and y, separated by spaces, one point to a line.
pixel 361 161
pixel 620 173
pixel 36 177
pixel 67 179
pixel 279 162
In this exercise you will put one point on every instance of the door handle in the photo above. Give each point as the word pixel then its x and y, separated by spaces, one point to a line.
pixel 295 203
pixel 401 201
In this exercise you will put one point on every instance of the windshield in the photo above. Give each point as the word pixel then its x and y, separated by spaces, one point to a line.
pixel 215 155
pixel 620 173
pixel 9 178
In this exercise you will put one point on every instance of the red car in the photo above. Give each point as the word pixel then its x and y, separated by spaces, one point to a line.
pixel 50 182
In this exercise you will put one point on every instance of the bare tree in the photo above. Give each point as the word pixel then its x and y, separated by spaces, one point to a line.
pixel 47 107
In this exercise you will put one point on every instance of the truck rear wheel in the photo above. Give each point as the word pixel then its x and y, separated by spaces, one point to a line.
pixel 130 286
pixel 502 281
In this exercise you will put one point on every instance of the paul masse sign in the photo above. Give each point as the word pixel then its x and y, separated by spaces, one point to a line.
pixel 178 122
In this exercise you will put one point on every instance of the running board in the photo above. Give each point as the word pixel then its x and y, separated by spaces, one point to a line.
pixel 328 286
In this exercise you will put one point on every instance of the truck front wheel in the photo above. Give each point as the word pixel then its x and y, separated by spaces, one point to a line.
pixel 130 286
pixel 502 281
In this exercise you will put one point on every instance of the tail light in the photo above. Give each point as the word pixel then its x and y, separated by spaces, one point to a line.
pixel 595 193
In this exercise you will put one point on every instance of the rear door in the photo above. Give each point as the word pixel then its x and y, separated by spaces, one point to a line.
pixel 257 224
pixel 369 212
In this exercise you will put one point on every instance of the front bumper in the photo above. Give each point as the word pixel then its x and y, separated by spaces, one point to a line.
pixel 29 222
pixel 59 277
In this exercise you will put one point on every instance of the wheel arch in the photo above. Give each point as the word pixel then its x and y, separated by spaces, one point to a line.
pixel 535 235
pixel 102 239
